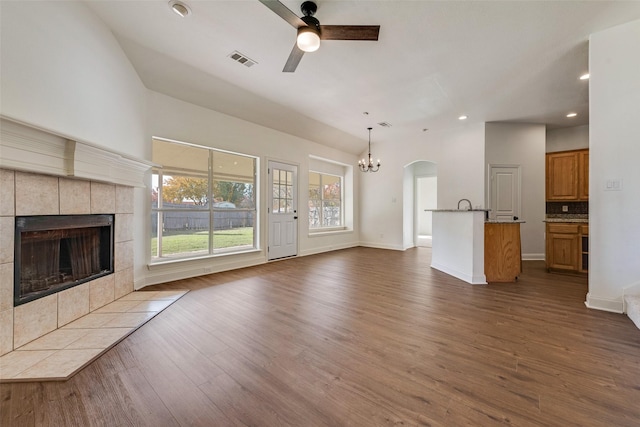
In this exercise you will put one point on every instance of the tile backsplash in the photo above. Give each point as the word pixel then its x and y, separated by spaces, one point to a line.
pixel 573 208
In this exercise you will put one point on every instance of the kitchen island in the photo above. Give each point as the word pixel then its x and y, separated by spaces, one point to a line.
pixel 458 243
pixel 467 246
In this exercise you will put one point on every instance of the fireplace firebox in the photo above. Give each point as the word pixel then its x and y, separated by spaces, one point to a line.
pixel 54 253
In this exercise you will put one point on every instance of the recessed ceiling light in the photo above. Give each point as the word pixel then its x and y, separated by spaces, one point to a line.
pixel 180 8
pixel 584 77
pixel 463 117
pixel 572 114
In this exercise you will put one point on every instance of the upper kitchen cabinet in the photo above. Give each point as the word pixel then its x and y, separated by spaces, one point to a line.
pixel 583 175
pixel 568 175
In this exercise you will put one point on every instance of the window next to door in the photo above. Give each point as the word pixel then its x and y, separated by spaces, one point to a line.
pixel 330 201
pixel 203 202
pixel 325 201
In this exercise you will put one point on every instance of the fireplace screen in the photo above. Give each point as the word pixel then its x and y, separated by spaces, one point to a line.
pixel 53 253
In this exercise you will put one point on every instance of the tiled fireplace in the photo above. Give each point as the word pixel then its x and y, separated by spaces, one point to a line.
pixel 24 194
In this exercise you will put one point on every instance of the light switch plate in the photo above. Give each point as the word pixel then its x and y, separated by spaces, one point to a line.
pixel 614 184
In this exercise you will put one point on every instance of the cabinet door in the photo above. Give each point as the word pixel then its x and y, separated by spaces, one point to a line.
pixel 562 250
pixel 583 175
pixel 562 176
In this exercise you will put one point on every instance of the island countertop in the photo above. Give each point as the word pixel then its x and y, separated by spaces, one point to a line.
pixel 576 220
pixel 457 210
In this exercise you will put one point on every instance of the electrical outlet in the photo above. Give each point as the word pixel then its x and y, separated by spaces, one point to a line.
pixel 565 208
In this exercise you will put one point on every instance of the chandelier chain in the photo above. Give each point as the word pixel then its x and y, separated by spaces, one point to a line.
pixel 369 165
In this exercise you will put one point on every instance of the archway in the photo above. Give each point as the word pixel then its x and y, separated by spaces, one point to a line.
pixel 419 195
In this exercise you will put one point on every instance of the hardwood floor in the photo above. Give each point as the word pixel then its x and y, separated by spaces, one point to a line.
pixel 360 337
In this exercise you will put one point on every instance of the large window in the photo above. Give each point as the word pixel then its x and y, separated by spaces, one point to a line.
pixel 203 201
pixel 325 201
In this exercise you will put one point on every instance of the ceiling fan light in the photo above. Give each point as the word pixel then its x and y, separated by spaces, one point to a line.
pixel 308 39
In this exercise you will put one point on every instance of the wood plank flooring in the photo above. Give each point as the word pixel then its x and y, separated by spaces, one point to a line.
pixel 358 337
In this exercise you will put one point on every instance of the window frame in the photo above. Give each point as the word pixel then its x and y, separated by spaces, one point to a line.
pixel 321 228
pixel 211 177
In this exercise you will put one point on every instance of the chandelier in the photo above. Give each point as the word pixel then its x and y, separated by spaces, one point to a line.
pixel 368 166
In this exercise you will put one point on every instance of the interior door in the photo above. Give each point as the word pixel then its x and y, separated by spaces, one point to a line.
pixel 283 210
pixel 505 192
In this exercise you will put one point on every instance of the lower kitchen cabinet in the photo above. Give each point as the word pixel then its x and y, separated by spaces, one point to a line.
pixel 567 248
pixel 502 251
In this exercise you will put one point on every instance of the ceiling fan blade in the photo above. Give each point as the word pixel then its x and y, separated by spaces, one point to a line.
pixel 349 32
pixel 294 59
pixel 284 12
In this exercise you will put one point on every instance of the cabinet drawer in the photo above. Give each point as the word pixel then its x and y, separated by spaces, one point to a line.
pixel 563 228
pixel 584 229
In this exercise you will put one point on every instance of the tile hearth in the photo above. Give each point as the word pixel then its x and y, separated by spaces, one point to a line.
pixel 58 355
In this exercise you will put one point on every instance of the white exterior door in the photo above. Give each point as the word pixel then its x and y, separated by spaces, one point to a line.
pixel 505 192
pixel 283 210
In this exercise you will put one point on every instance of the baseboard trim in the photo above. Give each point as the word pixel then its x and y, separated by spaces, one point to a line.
pixel 328 248
pixel 195 268
pixel 533 257
pixel 381 246
pixel 604 304
pixel 473 279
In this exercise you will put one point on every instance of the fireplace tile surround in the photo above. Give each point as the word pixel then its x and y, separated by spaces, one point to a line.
pixel 25 193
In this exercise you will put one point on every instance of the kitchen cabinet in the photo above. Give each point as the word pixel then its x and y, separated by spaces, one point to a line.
pixel 567 247
pixel 567 175
pixel 584 248
pixel 583 175
pixel 502 251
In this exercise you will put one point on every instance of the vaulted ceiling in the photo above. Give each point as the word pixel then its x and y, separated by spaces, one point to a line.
pixel 513 61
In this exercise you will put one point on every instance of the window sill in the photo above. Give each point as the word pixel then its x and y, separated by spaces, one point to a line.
pixel 167 261
pixel 330 232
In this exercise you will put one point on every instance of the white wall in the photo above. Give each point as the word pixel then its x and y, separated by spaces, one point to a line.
pixel 523 145
pixel 573 138
pixel 459 154
pixel 614 142
pixel 63 71
pixel 178 120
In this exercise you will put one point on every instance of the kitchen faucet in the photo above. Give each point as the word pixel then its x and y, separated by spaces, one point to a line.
pixel 468 201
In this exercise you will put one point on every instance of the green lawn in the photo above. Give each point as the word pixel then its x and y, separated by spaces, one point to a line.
pixel 196 241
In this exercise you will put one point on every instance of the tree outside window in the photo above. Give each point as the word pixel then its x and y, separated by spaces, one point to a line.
pixel 325 200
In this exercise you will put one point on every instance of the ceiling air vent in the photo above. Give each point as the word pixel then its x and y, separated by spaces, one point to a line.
pixel 243 59
pixel 385 124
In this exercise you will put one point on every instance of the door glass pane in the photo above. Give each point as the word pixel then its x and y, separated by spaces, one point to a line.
pixel 282 191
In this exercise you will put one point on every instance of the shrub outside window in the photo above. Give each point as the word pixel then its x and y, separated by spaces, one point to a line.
pixel 203 201
pixel 325 201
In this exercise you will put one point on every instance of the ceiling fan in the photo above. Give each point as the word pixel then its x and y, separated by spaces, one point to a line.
pixel 310 32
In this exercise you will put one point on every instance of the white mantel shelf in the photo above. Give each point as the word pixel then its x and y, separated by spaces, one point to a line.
pixel 29 149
